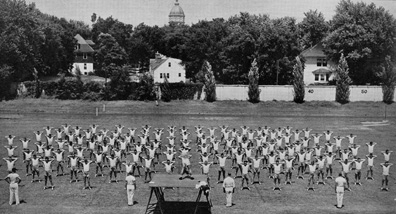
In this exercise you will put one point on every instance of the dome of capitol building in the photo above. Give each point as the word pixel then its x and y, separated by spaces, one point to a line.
pixel 176 15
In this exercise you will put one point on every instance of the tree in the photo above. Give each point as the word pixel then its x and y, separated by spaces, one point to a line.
pixel 5 81
pixel 119 84
pixel 298 81
pixel 342 81
pixel 254 91
pixel 312 29
pixel 142 45
pixel 210 83
pixel 109 54
pixel 146 90
pixel 366 35
pixel 387 76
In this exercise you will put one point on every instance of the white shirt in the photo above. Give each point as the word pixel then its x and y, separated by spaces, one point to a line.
pixel 130 179
pixel 229 182
pixel 340 181
pixel 13 178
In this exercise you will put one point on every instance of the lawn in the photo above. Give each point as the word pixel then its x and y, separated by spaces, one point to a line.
pixel 22 117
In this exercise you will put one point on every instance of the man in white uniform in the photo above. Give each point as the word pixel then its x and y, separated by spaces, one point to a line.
pixel 228 188
pixel 130 185
pixel 340 183
pixel 13 179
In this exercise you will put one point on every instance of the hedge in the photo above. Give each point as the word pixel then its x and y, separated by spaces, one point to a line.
pixel 183 91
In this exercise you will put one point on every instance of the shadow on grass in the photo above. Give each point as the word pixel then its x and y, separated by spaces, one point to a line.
pixel 181 207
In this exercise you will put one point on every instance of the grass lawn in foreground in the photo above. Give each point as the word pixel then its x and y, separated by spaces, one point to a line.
pixel 22 117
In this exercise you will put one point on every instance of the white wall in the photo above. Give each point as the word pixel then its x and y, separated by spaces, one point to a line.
pixel 173 71
pixel 285 93
pixel 81 66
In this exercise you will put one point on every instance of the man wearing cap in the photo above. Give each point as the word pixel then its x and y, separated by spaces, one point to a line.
pixel 13 179
pixel 228 188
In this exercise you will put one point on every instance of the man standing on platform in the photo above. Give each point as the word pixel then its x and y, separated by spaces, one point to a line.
pixel 228 188
pixel 130 184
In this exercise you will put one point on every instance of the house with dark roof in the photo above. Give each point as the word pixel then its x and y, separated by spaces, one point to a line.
pixel 84 56
pixel 318 70
pixel 168 67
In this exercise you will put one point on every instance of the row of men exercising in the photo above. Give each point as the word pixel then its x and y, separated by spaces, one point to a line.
pixel 238 153
pixel 258 134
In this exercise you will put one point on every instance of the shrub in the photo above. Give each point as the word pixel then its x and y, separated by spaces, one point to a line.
pixel 342 81
pixel 298 81
pixel 165 90
pixel 145 89
pixel 119 86
pixel 69 90
pixel 210 83
pixel 254 91
pixel 387 76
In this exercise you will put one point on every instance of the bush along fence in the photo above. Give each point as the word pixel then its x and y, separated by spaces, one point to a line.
pixel 94 91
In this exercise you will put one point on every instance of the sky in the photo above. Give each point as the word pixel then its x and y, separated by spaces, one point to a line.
pixel 155 12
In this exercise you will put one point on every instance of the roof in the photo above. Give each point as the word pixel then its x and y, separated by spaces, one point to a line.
pixel 315 51
pixel 177 10
pixel 321 71
pixel 90 42
pixel 155 63
pixel 84 44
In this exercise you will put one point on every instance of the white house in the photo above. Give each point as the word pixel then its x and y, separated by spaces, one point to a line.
pixel 84 54
pixel 168 67
pixel 318 70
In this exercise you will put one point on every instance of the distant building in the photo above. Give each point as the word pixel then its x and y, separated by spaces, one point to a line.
pixel 168 67
pixel 176 15
pixel 318 70
pixel 84 54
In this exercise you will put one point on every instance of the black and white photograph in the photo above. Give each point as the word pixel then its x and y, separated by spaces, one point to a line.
pixel 197 106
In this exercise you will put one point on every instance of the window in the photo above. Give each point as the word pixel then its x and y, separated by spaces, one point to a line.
pixel 327 77
pixel 85 73
pixel 160 75
pixel 77 46
pixel 169 64
pixel 316 77
pixel 85 66
pixel 179 74
pixel 85 56
pixel 321 62
pixel 167 75
pixel 322 77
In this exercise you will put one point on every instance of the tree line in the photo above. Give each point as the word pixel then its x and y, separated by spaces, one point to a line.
pixel 364 33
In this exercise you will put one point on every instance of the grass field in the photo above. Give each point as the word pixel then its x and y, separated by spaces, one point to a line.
pixel 22 117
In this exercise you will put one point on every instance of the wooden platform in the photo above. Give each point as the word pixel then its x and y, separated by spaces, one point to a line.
pixel 166 180
pixel 160 181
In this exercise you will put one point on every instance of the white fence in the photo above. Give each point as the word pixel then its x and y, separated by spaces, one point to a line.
pixel 285 93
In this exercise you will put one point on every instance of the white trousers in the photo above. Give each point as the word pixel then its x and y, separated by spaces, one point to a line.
pixel 340 196
pixel 228 191
pixel 130 193
pixel 14 191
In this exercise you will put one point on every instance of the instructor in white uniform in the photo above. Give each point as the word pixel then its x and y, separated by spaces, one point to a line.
pixel 228 188
pixel 13 179
pixel 130 184
pixel 340 183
